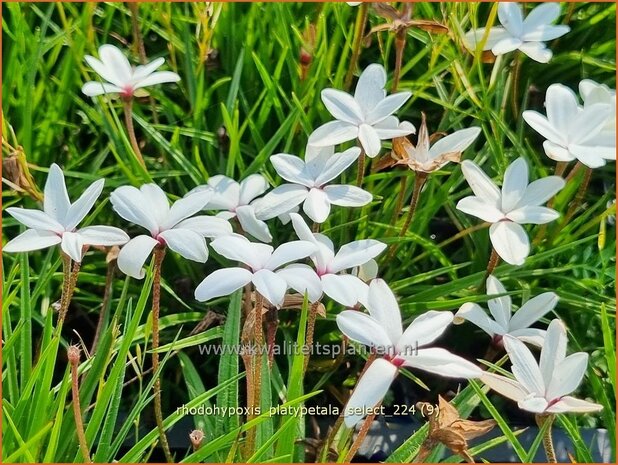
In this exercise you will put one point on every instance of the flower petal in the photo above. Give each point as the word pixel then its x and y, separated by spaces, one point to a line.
pixel 78 210
pixel 540 191
pixel 425 329
pixel 533 310
pixel 544 127
pixel 333 133
pixel 240 249
pixel 537 51
pixel 370 87
pixel 105 71
pixel 554 349
pixel 336 165
pixel 280 200
pixel 72 245
pixel 524 365
pixel 511 17
pixel 159 77
pixel 542 15
pixel 94 88
pixel 571 404
pixel 35 219
pixel 222 282
pixel 347 196
pixel 134 254
pixel 186 243
pixel 226 193
pixel 456 142
pixel 344 289
pixel 342 106
pixel 130 203
pixel 289 252
pixel 291 168
pixel 506 45
pixel 56 201
pixel 317 205
pixel 369 391
pixel 103 236
pixel 443 363
pixel 142 71
pixel 116 64
pixel 533 336
pixel 510 241
pixel 509 388
pixel 271 286
pixel 591 156
pixel 482 186
pixel 534 404
pixel 383 307
pixel 251 187
pixel 363 329
pixel 370 140
pixel 355 254
pixel 31 239
pixel 250 224
pixel 474 37
pixel 475 314
pixel 207 226
pixel 186 207
pixel 499 307
pixel 387 106
pixel 476 206
pixel 533 215
pixel 390 128
pixel 541 34
pixel 568 375
pixel 303 279
pixel 156 201
pixel 515 183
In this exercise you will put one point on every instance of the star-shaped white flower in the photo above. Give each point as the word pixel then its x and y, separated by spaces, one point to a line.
pixel 366 116
pixel 263 262
pixel 382 329
pixel 310 178
pixel 168 226
pixel 572 132
pixel 593 93
pixel 518 203
pixel 235 199
pixel 57 223
pixel 527 35
pixel 120 77
pixel 544 387
pixel 345 289
pixel 504 322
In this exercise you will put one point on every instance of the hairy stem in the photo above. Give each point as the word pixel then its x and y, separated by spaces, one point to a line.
pixel 313 313
pixel 159 253
pixel 548 442
pixel 494 259
pixel 70 271
pixel 362 433
pixel 400 43
pixel 361 21
pixel 419 182
pixel 128 119
pixel 361 169
pixel 258 339
pixel 73 356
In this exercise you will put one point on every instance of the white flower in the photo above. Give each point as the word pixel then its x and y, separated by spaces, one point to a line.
pixel 57 223
pixel 518 203
pixel 527 35
pixel 309 178
pixel 593 93
pixel 382 330
pixel 572 132
pixel 120 77
pixel 517 324
pixel 366 116
pixel 262 261
pixel 544 387
pixel 236 201
pixel 149 207
pixel 345 289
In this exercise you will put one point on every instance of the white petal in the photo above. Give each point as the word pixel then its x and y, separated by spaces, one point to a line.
pixel 591 156
pixel 524 365
pixel 499 307
pixel 333 133
pixel 506 45
pixel 250 224
pixel 541 190
pixel 317 159
pixel 35 219
pixel 554 349
pixel 533 215
pixel 251 187
pixel 336 165
pixel 289 252
pixel 533 310
pixel 78 210
pixel 222 282
pixel 571 404
pixel 511 17
pixel 363 329
pixel 561 106
pixel 482 186
pixel 115 62
pixel 355 254
pixel 94 88
pixel 280 200
pixel 370 140
pixel 533 336
pixel 72 245
pixel 557 152
pixel 367 271
pixel 383 307
pixel 345 289
pixel 456 142
pixel 31 239
pixel 159 77
pixel 302 230
pixel 142 71
pixel 541 124
pixel 390 127
pixel 507 387
pixel 534 404
pixel 134 254
pixel 423 330
pixel 537 51
pixel 317 205
pixel 271 286
pixel 442 362
pixel 474 37
pixel 568 375
pixel 370 87
pixel 510 241
pixel 130 203
pixel 369 391
pixel 103 236
pixel 187 243
pixel 291 168
pixel 342 106
pixel 56 201
pixel 544 33
pixel 515 183
pixel 240 249
pixel 542 15
pixel 156 201
pixel 475 314
pixel 226 193
pixel 207 226
pixel 387 106
pixel 106 71
pixel 476 206
pixel 186 207
pixel 347 196
pixel 588 123
pixel 303 279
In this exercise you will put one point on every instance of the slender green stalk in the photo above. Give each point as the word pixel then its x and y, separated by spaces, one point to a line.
pixel 561 167
pixel 419 182
pixel 548 442
pixel 73 356
pixel 400 44
pixel 313 313
pixel 107 294
pixel 128 119
pixel 403 182
pixel 581 192
pixel 359 30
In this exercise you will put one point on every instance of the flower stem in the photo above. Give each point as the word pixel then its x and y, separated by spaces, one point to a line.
pixel 107 294
pixel 561 167
pixel 70 272
pixel 73 356
pixel 313 313
pixel 494 259
pixel 400 43
pixel 403 182
pixel 128 119
pixel 256 355
pixel 548 442
pixel 419 182
pixel 361 169
pixel 361 21
pixel 159 253
pixel 581 192
pixel 362 433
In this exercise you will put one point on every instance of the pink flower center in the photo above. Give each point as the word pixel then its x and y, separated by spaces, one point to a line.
pixel 395 360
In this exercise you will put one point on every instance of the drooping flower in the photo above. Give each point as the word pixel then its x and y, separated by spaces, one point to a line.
pixel 57 223
pixel 263 262
pixel 345 289
pixel 572 132
pixel 526 35
pixel 169 226
pixel 504 322
pixel 544 387
pixel 120 77
pixel 309 186
pixel 593 93
pixel 368 115
pixel 382 330
pixel 518 203
pixel 236 201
